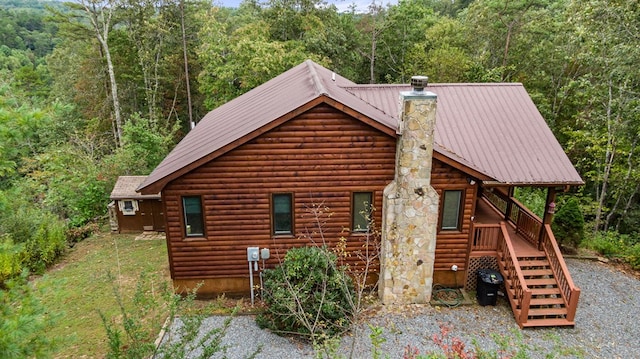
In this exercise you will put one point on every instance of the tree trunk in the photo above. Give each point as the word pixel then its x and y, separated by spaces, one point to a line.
pixel 627 178
pixel 627 206
pixel 103 36
pixel 608 164
pixel 186 62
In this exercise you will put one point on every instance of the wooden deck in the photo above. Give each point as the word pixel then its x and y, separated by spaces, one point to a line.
pixel 537 282
pixel 486 214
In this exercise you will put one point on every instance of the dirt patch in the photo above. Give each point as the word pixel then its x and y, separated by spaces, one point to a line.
pixel 150 236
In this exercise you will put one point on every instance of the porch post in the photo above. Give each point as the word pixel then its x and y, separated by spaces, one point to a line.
pixel 507 214
pixel 549 210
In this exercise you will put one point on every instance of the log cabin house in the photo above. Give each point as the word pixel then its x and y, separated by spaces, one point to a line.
pixel 247 174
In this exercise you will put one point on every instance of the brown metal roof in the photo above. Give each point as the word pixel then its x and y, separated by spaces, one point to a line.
pixel 494 129
pixel 125 188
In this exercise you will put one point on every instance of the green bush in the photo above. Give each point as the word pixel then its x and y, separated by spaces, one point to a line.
pixel 31 237
pixel 23 322
pixel 616 245
pixel 568 224
pixel 308 294
pixel 610 244
pixel 632 256
pixel 10 258
pixel 534 199
pixel 44 246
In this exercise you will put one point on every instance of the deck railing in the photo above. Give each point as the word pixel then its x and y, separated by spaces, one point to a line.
pixel 527 223
pixel 520 298
pixel 569 291
pixel 485 237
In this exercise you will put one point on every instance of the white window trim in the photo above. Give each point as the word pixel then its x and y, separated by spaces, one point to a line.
pixel 126 211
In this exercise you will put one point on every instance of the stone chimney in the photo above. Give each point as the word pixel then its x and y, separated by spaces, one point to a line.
pixel 410 205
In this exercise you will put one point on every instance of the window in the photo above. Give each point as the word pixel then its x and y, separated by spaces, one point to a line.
pixel 451 205
pixel 193 222
pixel 282 213
pixel 128 207
pixel 361 211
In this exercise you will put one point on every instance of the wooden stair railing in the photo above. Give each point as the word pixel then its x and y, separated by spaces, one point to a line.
pixel 516 287
pixel 568 289
pixel 540 290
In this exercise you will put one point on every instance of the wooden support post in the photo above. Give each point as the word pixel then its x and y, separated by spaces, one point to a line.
pixel 507 215
pixel 549 210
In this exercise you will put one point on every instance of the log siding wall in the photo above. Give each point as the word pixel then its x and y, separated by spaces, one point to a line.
pixel 322 157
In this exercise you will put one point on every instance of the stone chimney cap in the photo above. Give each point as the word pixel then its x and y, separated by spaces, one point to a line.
pixel 419 83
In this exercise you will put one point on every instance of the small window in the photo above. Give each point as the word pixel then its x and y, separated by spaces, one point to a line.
pixel 361 211
pixel 451 206
pixel 282 213
pixel 128 207
pixel 193 222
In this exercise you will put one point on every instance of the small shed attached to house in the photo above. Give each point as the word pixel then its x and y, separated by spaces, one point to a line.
pixel 131 211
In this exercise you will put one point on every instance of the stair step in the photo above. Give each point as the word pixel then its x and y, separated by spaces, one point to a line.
pixel 540 312
pixel 554 322
pixel 536 272
pixel 541 302
pixel 540 281
pixel 533 263
pixel 545 291
pixel 546 301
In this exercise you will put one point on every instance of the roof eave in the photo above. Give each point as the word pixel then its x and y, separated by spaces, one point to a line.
pixel 532 184
pixel 158 185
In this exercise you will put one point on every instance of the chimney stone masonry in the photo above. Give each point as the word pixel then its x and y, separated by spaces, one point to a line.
pixel 410 205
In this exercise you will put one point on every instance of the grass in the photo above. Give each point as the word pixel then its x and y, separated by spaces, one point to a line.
pixel 82 285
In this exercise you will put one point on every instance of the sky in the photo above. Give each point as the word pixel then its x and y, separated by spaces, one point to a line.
pixel 342 5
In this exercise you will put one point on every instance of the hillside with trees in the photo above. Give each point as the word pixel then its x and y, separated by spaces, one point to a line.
pixel 94 89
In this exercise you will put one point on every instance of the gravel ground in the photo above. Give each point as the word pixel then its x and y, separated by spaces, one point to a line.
pixel 607 325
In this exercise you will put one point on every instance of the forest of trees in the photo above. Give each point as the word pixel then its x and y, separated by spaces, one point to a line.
pixel 94 89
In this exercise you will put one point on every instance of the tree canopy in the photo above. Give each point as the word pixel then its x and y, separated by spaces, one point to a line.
pixel 93 89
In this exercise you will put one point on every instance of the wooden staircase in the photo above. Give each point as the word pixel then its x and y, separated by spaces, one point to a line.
pixel 546 305
pixel 537 281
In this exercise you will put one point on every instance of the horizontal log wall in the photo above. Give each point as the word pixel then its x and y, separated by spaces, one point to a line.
pixel 452 246
pixel 322 156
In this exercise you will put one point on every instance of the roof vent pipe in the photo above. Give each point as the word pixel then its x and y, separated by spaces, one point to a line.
pixel 419 83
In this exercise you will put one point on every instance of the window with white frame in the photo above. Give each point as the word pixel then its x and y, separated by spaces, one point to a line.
pixel 361 211
pixel 193 219
pixel 128 207
pixel 451 210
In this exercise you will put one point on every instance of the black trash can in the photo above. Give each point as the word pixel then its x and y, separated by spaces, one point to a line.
pixel 489 281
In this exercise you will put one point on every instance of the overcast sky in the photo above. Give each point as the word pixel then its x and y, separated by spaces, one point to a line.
pixel 342 5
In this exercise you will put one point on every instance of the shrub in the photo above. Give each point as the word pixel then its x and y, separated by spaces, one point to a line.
pixel 10 259
pixel 32 238
pixel 77 234
pixel 308 294
pixel 632 256
pixel 533 198
pixel 609 244
pixel 44 246
pixel 23 322
pixel 614 244
pixel 131 335
pixel 568 224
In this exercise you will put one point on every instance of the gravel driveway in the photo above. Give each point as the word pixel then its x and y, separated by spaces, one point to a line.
pixel 607 325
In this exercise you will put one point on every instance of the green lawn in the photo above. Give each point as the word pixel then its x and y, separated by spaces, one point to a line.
pixel 82 284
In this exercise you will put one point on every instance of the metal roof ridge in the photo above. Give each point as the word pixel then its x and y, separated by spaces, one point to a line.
pixel 315 78
pixel 435 84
